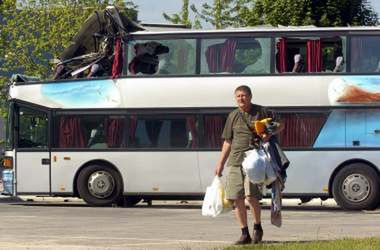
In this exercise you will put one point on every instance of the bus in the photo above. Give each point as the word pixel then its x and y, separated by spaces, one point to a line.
pixel 154 131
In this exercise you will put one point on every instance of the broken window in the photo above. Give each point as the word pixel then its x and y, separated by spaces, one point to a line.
pixel 245 55
pixel 162 57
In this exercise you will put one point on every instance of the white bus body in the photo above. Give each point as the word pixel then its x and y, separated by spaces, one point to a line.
pixel 344 149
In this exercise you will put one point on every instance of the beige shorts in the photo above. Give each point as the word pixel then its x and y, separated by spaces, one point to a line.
pixel 239 186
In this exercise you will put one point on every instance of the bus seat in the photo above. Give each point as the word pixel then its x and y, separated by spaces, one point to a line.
pixel 146 59
pixel 378 67
pixel 338 64
pixel 298 63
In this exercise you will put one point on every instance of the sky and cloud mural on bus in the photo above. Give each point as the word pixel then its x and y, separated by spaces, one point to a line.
pixel 352 127
pixel 355 90
pixel 83 94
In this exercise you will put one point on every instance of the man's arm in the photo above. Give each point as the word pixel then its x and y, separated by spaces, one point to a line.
pixel 226 149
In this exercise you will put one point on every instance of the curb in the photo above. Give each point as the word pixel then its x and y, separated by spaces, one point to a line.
pixel 7 198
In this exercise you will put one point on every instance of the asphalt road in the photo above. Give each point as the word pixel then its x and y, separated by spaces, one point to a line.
pixel 51 223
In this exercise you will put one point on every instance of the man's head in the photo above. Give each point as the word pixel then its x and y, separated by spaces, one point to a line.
pixel 243 96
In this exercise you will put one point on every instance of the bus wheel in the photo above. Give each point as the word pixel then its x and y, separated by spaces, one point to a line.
pixel 356 187
pixel 99 185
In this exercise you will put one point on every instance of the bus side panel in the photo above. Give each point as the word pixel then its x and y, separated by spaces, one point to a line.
pixel 207 164
pixel 277 90
pixel 142 172
pixel 168 172
pixel 309 171
pixel 32 174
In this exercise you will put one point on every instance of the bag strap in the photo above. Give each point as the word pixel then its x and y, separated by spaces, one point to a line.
pixel 254 135
pixel 245 121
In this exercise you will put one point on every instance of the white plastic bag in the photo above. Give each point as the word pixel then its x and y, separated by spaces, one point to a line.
pixel 214 202
pixel 258 167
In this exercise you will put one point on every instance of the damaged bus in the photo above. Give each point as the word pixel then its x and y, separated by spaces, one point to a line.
pixel 134 114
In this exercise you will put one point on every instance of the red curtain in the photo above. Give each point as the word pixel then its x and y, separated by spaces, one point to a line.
pixel 281 55
pixel 117 65
pixel 191 127
pixel 314 56
pixel 227 55
pixel 70 133
pixel 300 130
pixel 212 57
pixel 114 132
pixel 214 126
pixel 132 130
pixel 221 58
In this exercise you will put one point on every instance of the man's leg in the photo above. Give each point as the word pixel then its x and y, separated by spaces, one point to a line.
pixel 235 192
pixel 256 209
pixel 241 216
pixel 256 212
pixel 241 212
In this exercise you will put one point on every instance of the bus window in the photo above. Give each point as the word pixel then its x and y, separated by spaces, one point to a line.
pixel 246 55
pixel 365 55
pixel 310 54
pixel 162 57
pixel 301 129
pixel 32 129
pixel 163 132
pixel 91 131
pixel 333 54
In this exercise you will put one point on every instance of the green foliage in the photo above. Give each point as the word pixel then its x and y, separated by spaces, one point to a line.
pixel 243 13
pixel 345 244
pixel 183 17
pixel 221 14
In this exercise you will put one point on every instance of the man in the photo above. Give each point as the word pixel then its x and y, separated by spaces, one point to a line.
pixel 238 138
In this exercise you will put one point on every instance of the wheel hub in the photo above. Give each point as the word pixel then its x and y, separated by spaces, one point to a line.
pixel 356 187
pixel 101 184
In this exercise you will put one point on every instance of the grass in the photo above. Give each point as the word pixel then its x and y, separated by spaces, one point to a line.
pixel 345 244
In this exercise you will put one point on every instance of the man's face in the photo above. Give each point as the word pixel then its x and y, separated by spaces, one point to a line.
pixel 243 99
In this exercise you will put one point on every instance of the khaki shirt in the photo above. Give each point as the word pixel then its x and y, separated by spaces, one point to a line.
pixel 237 131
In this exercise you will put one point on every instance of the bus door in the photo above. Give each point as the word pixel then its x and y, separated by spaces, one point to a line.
pixel 32 150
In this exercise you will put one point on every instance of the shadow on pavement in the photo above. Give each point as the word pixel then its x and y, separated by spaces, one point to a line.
pixel 320 208
pixel 264 207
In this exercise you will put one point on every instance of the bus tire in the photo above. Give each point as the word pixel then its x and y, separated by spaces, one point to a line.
pixel 129 201
pixel 99 185
pixel 356 187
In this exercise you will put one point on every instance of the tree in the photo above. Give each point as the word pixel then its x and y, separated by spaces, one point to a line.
pixel 183 17
pixel 220 14
pixel 309 12
pixel 242 13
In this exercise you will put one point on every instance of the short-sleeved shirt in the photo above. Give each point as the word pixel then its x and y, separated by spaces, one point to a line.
pixel 236 130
